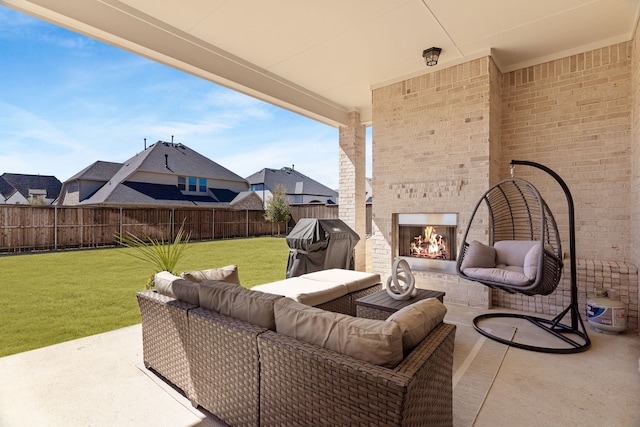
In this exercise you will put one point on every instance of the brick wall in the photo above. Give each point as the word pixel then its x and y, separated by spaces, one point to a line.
pixel 574 116
pixel 440 140
pixel 352 208
pixel 635 150
pixel 431 153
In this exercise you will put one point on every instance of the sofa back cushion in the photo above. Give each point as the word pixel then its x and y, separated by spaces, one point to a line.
pixel 228 273
pixel 513 252
pixel 374 341
pixel 417 320
pixel 175 287
pixel 233 300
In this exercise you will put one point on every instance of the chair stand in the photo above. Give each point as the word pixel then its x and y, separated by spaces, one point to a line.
pixel 553 327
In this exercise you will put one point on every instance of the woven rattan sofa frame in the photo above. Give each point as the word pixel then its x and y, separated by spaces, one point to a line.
pixel 517 211
pixel 165 329
pixel 303 384
pixel 174 352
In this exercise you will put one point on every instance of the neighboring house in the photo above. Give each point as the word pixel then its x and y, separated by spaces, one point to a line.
pixel 247 200
pixel 299 188
pixel 165 173
pixel 17 188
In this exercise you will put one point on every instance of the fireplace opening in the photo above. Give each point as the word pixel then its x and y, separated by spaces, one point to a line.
pixel 427 241
pixel 430 242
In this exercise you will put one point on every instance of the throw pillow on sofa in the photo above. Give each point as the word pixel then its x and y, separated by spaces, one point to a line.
pixel 374 341
pixel 228 273
pixel 478 255
pixel 233 300
pixel 176 287
pixel 417 320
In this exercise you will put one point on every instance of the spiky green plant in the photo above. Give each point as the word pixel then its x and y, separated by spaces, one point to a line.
pixel 162 253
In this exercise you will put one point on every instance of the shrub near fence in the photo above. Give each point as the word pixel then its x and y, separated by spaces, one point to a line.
pixel 26 228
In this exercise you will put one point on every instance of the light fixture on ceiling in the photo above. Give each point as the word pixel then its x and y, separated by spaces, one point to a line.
pixel 431 55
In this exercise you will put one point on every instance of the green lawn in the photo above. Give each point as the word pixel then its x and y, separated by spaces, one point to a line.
pixel 54 297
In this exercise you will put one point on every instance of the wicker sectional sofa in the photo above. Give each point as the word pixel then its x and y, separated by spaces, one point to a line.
pixel 227 355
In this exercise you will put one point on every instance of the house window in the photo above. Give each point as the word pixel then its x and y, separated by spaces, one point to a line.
pixel 195 184
pixel 257 187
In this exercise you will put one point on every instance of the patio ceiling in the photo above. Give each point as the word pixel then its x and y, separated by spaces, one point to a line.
pixel 322 58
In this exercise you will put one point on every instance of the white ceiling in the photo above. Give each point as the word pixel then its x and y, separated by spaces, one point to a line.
pixel 322 58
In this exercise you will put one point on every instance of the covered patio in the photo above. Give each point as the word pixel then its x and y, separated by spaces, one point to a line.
pixel 550 82
pixel 556 83
pixel 100 381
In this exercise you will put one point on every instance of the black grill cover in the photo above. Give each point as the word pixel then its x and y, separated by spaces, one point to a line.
pixel 320 244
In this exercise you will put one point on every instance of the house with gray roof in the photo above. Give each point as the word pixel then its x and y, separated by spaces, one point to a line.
pixel 165 173
pixel 17 188
pixel 299 188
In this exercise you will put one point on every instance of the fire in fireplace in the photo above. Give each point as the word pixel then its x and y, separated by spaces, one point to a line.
pixel 427 241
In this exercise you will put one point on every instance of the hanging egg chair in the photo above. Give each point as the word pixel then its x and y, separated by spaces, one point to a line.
pixel 523 255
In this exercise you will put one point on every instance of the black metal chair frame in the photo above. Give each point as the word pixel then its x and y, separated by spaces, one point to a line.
pixel 550 263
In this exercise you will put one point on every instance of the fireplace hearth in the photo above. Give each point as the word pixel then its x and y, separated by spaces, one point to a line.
pixel 427 241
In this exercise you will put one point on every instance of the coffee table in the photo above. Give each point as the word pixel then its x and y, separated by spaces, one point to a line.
pixel 380 305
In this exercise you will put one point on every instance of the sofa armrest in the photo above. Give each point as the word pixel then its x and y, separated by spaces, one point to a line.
pixel 225 366
pixel 301 383
pixel 164 337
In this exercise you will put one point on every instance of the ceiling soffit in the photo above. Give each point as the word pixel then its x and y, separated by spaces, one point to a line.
pixel 322 59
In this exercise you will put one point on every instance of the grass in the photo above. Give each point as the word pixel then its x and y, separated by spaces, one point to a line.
pixel 54 297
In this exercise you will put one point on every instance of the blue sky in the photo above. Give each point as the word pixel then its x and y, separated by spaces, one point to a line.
pixel 67 100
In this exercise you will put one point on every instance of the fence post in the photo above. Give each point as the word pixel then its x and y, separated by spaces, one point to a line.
pixel 55 227
pixel 172 226
pixel 120 222
pixel 213 224
pixel 246 230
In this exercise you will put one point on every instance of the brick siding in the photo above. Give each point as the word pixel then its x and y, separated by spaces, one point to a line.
pixel 441 139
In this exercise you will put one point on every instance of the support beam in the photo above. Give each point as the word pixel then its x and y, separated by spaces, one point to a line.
pixel 352 207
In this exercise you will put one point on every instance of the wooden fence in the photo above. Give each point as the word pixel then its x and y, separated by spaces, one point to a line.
pixel 28 228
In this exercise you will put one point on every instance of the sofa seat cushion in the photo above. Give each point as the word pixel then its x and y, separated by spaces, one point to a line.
pixel 374 341
pixel 516 262
pixel 417 320
pixel 171 285
pixel 353 280
pixel 228 273
pixel 509 275
pixel 305 291
pixel 233 300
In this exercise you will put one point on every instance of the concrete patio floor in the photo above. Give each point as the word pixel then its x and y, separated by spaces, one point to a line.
pixel 98 381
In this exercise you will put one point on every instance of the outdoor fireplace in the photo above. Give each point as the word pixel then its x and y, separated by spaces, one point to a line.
pixel 427 241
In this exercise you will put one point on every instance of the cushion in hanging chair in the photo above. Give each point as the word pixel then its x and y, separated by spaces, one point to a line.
pixel 515 262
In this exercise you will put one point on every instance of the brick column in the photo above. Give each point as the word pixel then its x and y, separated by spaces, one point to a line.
pixel 352 209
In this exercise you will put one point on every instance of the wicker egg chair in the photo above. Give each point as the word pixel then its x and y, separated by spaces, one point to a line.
pixel 522 228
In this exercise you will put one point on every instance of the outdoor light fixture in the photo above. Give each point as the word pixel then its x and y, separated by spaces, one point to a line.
pixel 431 55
